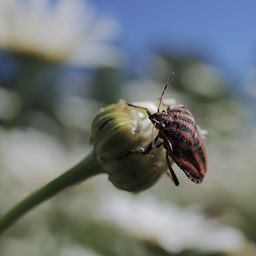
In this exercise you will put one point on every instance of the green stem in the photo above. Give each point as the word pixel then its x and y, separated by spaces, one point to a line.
pixel 85 169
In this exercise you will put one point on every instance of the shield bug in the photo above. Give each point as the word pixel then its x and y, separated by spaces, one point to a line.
pixel 180 136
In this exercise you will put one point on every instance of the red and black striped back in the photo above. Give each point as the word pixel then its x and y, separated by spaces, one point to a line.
pixel 181 138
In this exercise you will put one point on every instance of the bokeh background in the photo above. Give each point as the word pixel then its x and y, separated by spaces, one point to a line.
pixel 61 60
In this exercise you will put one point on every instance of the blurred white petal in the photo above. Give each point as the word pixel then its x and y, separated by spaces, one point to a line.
pixel 64 31
pixel 175 229
pixel 9 104
pixel 32 158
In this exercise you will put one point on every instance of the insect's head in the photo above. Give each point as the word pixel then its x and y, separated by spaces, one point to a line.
pixel 160 119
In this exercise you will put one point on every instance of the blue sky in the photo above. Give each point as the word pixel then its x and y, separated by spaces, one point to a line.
pixel 224 31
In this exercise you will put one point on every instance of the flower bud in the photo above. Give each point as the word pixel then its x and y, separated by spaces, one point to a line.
pixel 117 130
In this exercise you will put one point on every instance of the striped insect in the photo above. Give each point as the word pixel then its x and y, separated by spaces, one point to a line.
pixel 179 135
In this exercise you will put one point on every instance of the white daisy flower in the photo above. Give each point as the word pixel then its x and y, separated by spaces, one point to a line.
pixel 61 31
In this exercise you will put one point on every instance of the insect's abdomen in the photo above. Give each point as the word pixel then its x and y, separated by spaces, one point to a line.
pixel 183 141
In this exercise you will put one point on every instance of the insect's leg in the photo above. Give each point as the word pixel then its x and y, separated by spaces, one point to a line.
pixel 170 172
pixel 166 105
pixel 151 145
pixel 143 151
pixel 131 105
pixel 158 145
pixel 169 152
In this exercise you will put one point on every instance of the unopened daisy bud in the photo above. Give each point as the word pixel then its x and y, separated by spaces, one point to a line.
pixel 116 131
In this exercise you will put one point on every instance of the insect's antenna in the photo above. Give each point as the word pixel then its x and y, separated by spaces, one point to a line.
pixel 167 83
